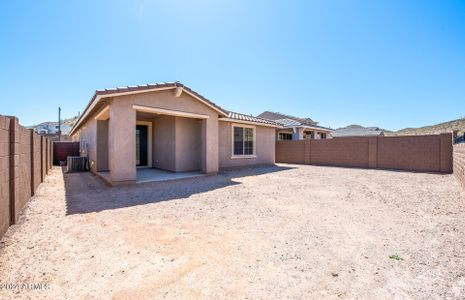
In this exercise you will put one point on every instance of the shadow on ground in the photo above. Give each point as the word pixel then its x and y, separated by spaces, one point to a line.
pixel 87 193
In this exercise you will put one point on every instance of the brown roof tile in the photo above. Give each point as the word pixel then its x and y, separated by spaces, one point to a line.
pixel 242 117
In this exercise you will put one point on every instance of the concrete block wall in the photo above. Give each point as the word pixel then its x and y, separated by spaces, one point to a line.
pixel 446 146
pixel 431 153
pixel 50 155
pixel 37 177
pixel 459 163
pixel 292 151
pixel 352 152
pixel 22 168
pixel 44 149
pixel 23 183
pixel 4 174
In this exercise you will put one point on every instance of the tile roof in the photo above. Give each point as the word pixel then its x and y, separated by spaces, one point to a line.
pixel 288 122
pixel 279 116
pixel 151 86
pixel 291 121
pixel 242 117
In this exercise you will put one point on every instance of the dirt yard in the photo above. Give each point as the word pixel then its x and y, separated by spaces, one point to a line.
pixel 272 232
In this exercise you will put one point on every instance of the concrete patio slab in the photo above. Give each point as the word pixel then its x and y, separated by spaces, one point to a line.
pixel 154 175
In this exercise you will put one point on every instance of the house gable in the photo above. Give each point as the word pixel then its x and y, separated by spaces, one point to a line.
pixel 166 102
pixel 177 90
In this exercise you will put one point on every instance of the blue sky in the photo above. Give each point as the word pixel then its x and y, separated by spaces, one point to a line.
pixel 392 64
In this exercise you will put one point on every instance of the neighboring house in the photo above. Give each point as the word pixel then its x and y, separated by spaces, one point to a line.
pixel 357 130
pixel 294 128
pixel 52 128
pixel 170 127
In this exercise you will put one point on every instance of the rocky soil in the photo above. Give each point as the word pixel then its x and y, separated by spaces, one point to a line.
pixel 286 231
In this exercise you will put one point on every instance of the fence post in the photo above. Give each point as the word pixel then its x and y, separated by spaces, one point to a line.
pixel 445 152
pixel 42 159
pixel 372 152
pixel 50 154
pixel 14 165
pixel 31 131
pixel 5 174
pixel 307 148
pixel 46 156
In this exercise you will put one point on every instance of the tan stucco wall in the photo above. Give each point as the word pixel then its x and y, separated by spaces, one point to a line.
pixel 122 137
pixel 177 143
pixel 265 146
pixel 188 144
pixel 164 143
pixel 102 163
pixel 88 134
pixel 121 142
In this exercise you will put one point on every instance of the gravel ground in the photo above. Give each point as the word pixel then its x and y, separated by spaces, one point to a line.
pixel 283 231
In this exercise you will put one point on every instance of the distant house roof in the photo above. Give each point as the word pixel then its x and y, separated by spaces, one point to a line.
pixel 288 121
pixel 112 92
pixel 358 131
pixel 279 116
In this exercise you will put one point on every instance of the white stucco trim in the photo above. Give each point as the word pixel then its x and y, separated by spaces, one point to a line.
pixel 235 156
pixel 149 143
pixel 243 156
pixel 170 112
pixel 248 122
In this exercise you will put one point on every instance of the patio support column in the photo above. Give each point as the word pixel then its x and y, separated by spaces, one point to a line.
pixel 122 142
pixel 298 133
pixel 210 145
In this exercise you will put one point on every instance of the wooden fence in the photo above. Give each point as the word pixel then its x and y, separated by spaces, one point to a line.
pixel 25 159
pixel 61 151
pixel 431 153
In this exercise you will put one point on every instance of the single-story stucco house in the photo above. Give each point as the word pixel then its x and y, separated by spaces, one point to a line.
pixel 295 128
pixel 170 127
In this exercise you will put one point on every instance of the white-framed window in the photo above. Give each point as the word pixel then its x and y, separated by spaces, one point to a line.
pixel 243 141
pixel 284 136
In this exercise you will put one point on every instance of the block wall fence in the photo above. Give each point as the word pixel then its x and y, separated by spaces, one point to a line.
pixel 25 159
pixel 459 163
pixel 430 153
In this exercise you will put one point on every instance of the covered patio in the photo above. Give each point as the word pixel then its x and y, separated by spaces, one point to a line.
pixel 154 139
